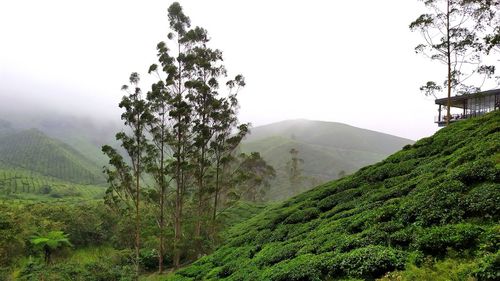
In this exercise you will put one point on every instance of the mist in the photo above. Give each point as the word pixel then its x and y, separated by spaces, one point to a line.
pixel 299 60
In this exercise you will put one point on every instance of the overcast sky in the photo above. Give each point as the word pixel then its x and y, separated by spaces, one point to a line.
pixel 345 61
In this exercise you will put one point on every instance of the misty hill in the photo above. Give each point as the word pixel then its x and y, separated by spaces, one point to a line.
pixel 35 151
pixel 431 208
pixel 327 148
pixel 85 134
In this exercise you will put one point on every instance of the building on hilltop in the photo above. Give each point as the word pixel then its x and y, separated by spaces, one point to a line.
pixel 469 105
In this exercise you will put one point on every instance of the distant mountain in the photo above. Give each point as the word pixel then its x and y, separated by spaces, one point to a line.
pixel 35 151
pixel 327 148
pixel 85 134
pixel 5 128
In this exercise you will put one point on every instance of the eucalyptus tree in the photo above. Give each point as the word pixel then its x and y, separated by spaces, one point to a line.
pixel 203 96
pixel 486 15
pixel 294 171
pixel 452 31
pixel 159 155
pixel 124 179
pixel 227 136
pixel 176 64
pixel 255 176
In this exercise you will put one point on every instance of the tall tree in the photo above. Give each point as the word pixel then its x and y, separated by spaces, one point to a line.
pixel 294 171
pixel 125 180
pixel 225 141
pixel 452 35
pixel 159 154
pixel 255 176
pixel 204 85
pixel 176 62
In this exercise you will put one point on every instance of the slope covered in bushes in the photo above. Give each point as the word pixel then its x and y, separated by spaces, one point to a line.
pixel 432 201
pixel 327 149
pixel 33 150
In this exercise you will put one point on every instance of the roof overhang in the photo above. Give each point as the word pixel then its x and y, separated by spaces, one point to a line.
pixel 459 101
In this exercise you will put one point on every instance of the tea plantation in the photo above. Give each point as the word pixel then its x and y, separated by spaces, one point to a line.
pixel 432 207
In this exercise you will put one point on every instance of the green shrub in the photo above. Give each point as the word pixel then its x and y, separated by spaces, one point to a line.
pixel 490 239
pixel 372 261
pixel 332 200
pixel 275 253
pixel 302 216
pixel 301 268
pixel 483 201
pixel 476 171
pixel 488 268
pixel 436 240
pixel 435 204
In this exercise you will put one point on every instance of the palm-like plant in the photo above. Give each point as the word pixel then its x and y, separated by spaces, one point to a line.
pixel 50 242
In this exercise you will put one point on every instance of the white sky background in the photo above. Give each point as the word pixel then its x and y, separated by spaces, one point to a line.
pixel 344 61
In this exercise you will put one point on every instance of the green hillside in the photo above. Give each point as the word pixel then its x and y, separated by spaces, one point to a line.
pixel 432 207
pixel 33 150
pixel 85 135
pixel 327 148
pixel 24 185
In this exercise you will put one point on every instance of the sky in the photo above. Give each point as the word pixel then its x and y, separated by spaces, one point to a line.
pixel 342 61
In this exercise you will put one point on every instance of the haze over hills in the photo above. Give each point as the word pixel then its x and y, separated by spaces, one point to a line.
pixel 33 150
pixel 327 148
pixel 84 134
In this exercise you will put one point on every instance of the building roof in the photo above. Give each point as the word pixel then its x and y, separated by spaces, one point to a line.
pixel 458 101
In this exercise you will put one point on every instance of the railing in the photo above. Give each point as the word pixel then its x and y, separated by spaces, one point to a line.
pixel 458 117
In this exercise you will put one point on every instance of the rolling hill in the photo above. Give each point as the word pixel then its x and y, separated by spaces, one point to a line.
pixel 430 210
pixel 34 151
pixel 327 148
pixel 85 134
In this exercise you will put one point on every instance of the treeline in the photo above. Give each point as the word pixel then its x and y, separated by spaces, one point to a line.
pixel 181 157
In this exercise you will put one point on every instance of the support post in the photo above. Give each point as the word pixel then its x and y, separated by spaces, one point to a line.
pixel 439 116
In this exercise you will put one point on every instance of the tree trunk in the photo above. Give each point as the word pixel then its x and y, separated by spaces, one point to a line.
pixel 137 224
pixel 200 211
pixel 47 255
pixel 448 103
pixel 177 216
pixel 216 192
pixel 162 216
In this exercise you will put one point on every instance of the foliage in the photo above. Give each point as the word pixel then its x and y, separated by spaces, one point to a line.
pixel 50 242
pixel 433 200
pixel 453 32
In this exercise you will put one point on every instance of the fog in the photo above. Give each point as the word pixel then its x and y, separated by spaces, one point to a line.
pixel 344 61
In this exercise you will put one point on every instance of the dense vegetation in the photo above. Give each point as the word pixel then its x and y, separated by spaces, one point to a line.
pixel 432 207
pixel 28 185
pixel 33 150
pixel 327 149
pixel 101 240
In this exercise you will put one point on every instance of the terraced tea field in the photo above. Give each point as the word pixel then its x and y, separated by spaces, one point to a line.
pixel 23 184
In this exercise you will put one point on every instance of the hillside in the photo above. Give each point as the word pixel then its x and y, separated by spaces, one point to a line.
pixel 33 150
pixel 327 148
pixel 86 135
pixel 24 185
pixel 432 207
